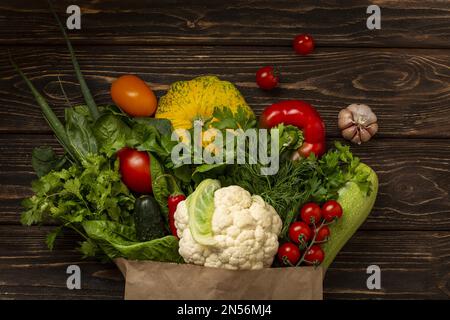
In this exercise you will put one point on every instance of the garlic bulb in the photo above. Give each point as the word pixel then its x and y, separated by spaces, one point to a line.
pixel 358 123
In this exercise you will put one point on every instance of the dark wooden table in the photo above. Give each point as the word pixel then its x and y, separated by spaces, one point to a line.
pixel 402 71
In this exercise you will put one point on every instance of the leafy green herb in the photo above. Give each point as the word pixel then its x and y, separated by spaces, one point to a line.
pixel 79 133
pixel 160 187
pixel 163 126
pixel 111 133
pixel 93 191
pixel 298 182
pixel 224 118
pixel 146 137
pixel 120 241
pixel 52 120
pixel 84 88
pixel 44 160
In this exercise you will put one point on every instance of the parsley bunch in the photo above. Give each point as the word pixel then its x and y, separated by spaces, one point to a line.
pixel 92 191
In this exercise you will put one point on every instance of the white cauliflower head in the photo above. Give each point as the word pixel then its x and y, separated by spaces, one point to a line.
pixel 244 229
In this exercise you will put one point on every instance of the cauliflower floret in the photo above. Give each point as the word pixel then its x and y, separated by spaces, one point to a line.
pixel 245 229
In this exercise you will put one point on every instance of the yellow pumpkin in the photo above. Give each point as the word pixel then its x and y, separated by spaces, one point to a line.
pixel 196 99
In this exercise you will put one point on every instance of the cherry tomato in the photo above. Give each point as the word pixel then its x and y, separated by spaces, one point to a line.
pixel 135 170
pixel 290 252
pixel 133 96
pixel 299 232
pixel 267 78
pixel 323 233
pixel 314 255
pixel 311 213
pixel 331 210
pixel 303 44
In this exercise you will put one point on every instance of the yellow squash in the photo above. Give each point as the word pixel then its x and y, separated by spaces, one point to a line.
pixel 196 99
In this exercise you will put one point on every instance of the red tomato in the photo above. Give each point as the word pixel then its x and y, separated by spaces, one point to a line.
pixel 323 234
pixel 135 170
pixel 311 213
pixel 299 232
pixel 133 96
pixel 314 255
pixel 331 210
pixel 290 252
pixel 267 78
pixel 303 44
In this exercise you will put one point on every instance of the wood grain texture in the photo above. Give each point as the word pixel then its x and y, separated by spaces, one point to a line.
pixel 408 90
pixel 406 23
pixel 413 195
pixel 28 270
pixel 402 71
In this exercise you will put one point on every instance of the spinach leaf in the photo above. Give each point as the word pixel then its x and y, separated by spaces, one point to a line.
pixel 146 137
pixel 159 184
pixel 111 133
pixel 117 240
pixel 205 171
pixel 164 126
pixel 183 173
pixel 79 132
pixel 44 160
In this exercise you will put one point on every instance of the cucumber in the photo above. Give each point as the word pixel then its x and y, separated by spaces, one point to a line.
pixel 147 218
pixel 356 207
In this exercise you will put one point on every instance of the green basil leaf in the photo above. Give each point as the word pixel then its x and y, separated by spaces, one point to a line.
pixel 205 171
pixel 79 133
pixel 44 160
pixel 164 126
pixel 111 133
pixel 160 187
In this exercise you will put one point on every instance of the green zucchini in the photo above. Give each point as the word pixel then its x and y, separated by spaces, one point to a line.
pixel 356 207
pixel 147 218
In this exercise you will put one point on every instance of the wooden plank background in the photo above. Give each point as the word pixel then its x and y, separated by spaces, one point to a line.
pixel 402 71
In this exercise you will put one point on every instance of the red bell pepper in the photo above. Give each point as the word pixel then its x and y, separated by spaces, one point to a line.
pixel 303 116
pixel 175 197
pixel 172 203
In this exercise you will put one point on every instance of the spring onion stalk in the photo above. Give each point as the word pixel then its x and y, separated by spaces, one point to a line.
pixel 84 88
pixel 52 120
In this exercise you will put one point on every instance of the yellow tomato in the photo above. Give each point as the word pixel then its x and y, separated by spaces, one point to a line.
pixel 133 96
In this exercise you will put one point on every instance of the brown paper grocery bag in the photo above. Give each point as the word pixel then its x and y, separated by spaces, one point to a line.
pixel 170 281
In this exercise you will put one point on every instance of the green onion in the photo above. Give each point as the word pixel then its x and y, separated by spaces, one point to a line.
pixel 52 120
pixel 84 88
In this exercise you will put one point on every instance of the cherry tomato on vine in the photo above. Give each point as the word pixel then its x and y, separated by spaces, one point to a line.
pixel 314 255
pixel 311 213
pixel 323 233
pixel 299 232
pixel 331 210
pixel 303 44
pixel 134 168
pixel 267 78
pixel 133 96
pixel 290 252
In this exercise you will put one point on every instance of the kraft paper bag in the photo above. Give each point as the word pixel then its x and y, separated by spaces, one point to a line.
pixel 149 280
